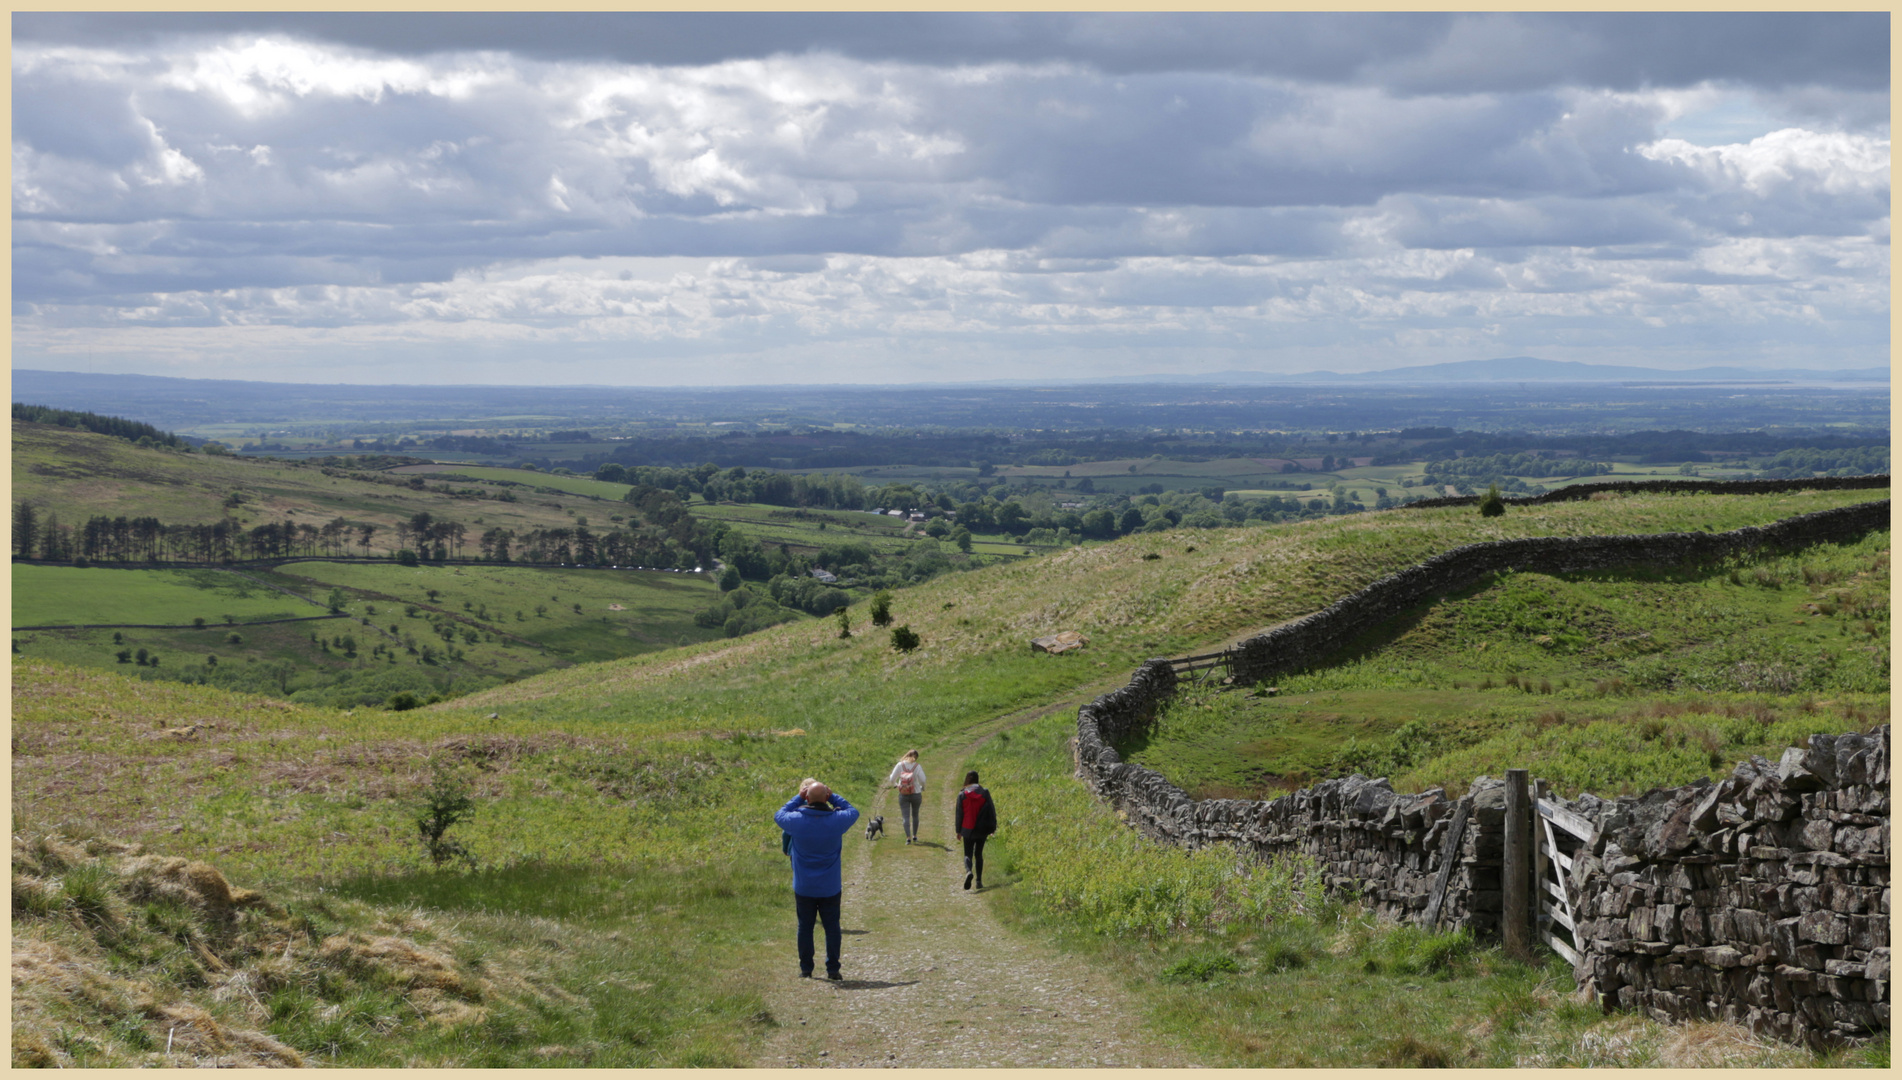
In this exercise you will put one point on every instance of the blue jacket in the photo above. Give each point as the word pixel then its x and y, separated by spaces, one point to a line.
pixel 817 838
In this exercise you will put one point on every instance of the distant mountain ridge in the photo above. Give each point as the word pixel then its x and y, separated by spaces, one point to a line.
pixel 1511 369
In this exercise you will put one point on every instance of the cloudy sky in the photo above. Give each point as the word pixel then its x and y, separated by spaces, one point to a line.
pixel 706 199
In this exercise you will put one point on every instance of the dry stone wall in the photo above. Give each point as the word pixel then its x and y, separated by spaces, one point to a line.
pixel 1763 899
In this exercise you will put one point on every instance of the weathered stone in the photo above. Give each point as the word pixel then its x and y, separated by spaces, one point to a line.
pixel 1793 773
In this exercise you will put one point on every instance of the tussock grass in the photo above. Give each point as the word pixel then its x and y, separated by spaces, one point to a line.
pixel 129 959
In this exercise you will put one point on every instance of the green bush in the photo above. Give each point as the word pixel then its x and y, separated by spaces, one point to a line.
pixel 904 639
pixel 445 803
pixel 1200 968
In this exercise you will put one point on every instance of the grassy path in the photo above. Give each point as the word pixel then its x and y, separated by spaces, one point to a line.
pixel 933 979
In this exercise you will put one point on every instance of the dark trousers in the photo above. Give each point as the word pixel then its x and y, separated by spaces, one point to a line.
pixel 974 854
pixel 826 909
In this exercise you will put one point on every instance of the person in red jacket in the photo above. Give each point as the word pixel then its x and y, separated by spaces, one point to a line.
pixel 974 818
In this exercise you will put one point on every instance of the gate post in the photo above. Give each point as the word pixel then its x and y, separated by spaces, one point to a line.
pixel 1515 908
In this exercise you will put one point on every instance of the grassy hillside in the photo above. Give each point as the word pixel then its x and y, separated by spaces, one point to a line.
pixel 718 704
pixel 664 767
pixel 1610 683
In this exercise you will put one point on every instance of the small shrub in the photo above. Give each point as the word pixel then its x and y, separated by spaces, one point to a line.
pixel 845 624
pixel 1200 968
pixel 1492 505
pixel 882 611
pixel 444 804
pixel 1293 948
pixel 402 702
pixel 904 639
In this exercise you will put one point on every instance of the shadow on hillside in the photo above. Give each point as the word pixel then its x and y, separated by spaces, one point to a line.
pixel 871 984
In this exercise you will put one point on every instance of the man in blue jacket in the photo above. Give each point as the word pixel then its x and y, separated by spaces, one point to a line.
pixel 817 821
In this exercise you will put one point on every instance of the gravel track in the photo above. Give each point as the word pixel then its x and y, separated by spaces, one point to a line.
pixel 932 979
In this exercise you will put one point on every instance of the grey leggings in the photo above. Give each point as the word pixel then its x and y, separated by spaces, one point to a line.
pixel 908 807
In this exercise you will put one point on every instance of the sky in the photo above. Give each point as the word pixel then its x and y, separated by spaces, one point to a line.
pixel 728 199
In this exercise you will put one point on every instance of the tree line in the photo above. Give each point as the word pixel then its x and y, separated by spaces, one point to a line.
pixel 116 426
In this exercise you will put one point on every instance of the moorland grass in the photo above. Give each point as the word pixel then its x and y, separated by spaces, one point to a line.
pixel 124 961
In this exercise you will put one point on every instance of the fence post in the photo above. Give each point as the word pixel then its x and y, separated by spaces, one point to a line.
pixel 1515 906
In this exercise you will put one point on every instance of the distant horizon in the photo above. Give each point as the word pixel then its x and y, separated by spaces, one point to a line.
pixel 1161 379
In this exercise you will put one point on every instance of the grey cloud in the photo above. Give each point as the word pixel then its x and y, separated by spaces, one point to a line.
pixel 1426 52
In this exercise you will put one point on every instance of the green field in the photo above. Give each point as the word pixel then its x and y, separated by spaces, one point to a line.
pixel 621 612
pixel 68 596
pixel 644 785
pixel 485 625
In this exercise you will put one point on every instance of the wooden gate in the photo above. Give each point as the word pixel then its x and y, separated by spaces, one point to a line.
pixel 1208 663
pixel 1560 835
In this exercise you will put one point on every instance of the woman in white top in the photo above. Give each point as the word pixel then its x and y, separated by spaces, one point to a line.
pixel 909 778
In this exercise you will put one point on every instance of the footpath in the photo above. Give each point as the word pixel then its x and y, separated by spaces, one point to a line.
pixel 932 978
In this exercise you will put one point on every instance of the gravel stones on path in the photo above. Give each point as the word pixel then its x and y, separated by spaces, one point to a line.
pixel 932 979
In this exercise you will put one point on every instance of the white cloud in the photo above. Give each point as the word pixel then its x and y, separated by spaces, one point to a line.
pixel 1827 162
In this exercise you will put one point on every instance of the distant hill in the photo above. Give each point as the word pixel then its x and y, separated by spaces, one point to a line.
pixel 1511 369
